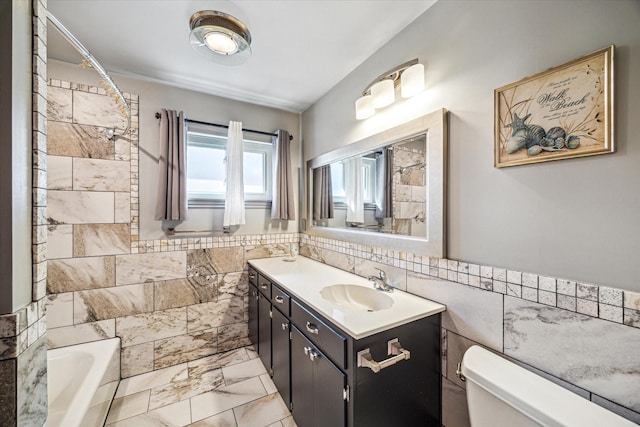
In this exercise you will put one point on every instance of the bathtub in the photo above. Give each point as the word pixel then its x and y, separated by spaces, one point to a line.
pixel 82 380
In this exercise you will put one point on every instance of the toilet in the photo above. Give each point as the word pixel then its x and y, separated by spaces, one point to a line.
pixel 502 394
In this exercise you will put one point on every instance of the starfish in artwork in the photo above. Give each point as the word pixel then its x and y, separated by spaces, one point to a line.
pixel 517 123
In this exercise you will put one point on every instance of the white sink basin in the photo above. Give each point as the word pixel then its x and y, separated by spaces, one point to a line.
pixel 356 297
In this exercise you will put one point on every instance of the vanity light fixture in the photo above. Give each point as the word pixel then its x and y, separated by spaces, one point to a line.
pixel 221 37
pixel 381 92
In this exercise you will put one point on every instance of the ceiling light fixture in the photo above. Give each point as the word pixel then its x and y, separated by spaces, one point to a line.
pixel 381 92
pixel 221 37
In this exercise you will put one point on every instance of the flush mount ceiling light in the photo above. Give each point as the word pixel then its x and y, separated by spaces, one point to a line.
pixel 221 37
pixel 381 92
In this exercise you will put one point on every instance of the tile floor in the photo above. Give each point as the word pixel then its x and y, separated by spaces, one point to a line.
pixel 226 389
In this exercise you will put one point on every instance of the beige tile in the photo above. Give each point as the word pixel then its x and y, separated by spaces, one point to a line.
pixel 60 310
pixel 65 139
pixel 108 303
pixel 224 398
pixel 243 371
pixel 153 379
pixel 59 241
pixel 175 415
pixel 153 326
pixel 342 261
pixel 77 334
pixel 101 239
pixel 122 207
pixel 128 406
pixel 59 173
pixel 59 104
pixel 266 251
pixel 268 383
pixel 96 110
pixel 261 412
pixel 101 175
pixel 454 405
pixel 223 419
pixel 77 274
pixel 288 422
pixel 184 348
pixel 233 336
pixel 203 367
pixel 138 268
pixel 213 314
pixel 184 389
pixel 136 359
pixel 88 207
pixel 232 285
pixel 183 292
pixel 216 260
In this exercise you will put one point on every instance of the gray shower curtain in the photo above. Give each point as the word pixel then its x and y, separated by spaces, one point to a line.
pixel 322 193
pixel 282 206
pixel 171 202
pixel 384 184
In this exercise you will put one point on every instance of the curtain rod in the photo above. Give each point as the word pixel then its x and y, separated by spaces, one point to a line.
pixel 227 127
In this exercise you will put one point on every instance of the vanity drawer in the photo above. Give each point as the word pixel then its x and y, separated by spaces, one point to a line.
pixel 280 299
pixel 264 286
pixel 253 276
pixel 329 341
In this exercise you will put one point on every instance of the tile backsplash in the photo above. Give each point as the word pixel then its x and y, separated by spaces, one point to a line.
pixel 583 336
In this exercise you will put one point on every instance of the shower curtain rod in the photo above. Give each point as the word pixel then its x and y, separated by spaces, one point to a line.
pixel 227 127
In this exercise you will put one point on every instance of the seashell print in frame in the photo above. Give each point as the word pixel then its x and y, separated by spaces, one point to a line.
pixel 560 113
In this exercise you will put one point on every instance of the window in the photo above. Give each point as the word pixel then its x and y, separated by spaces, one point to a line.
pixel 206 169
pixel 368 181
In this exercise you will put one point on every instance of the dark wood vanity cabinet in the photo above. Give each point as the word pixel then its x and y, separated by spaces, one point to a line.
pixel 314 365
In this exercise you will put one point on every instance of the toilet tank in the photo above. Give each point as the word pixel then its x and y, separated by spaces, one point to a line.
pixel 502 394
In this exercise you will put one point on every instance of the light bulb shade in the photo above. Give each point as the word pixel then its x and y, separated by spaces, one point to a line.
pixel 383 93
pixel 412 81
pixel 220 37
pixel 364 107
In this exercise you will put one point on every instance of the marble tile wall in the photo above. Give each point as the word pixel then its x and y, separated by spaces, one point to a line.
pixel 583 336
pixel 170 301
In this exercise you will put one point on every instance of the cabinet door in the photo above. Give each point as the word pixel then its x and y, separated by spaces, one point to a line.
pixel 253 315
pixel 301 380
pixel 280 354
pixel 317 386
pixel 264 331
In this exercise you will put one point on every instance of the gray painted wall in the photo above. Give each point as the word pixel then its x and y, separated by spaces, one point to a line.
pixel 15 168
pixel 574 218
pixel 197 106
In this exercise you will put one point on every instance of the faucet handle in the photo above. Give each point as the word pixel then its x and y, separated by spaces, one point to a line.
pixel 381 274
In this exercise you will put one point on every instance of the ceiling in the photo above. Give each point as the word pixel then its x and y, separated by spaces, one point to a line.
pixel 301 48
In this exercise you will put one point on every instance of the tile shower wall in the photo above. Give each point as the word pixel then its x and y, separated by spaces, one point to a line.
pixel 23 363
pixel 582 336
pixel 169 301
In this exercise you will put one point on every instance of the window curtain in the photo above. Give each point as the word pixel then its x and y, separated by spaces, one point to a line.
pixel 384 184
pixel 353 189
pixel 234 200
pixel 322 193
pixel 171 201
pixel 282 206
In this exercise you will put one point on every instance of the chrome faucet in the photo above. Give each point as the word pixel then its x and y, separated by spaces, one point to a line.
pixel 380 282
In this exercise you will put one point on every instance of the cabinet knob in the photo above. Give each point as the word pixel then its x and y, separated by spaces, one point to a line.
pixel 263 286
pixel 313 355
pixel 279 299
pixel 312 328
pixel 252 276
pixel 285 326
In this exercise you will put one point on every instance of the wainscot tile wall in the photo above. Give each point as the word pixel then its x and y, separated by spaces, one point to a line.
pixel 169 301
pixel 583 336
pixel 23 360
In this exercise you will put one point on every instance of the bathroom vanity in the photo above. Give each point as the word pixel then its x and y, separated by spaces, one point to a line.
pixel 342 353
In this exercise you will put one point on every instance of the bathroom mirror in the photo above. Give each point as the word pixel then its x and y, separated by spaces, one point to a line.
pixel 386 190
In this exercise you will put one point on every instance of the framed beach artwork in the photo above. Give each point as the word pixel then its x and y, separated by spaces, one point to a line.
pixel 564 112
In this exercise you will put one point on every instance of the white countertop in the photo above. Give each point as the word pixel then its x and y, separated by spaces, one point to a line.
pixel 304 278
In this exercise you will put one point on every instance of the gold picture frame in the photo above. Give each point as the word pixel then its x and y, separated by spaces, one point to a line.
pixel 560 113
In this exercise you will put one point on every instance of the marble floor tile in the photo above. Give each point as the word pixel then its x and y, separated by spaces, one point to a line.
pixel 227 397
pixel 195 394
pixel 177 414
pixel 243 371
pixel 257 413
